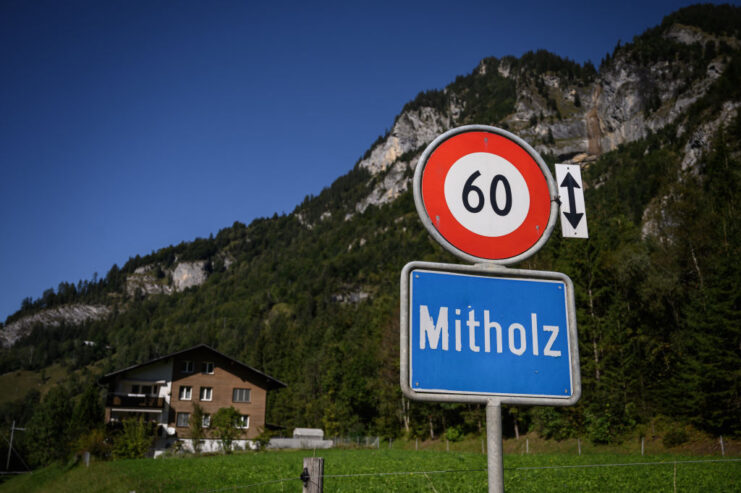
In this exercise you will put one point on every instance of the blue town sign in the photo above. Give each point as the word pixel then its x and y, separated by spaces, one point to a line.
pixel 471 334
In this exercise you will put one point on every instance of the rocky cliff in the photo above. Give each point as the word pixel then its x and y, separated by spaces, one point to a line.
pixel 575 119
pixel 153 279
pixel 53 317
pixel 146 280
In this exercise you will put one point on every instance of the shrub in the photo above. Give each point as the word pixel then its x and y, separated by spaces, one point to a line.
pixel 674 438
pixel 225 423
pixel 195 424
pixel 598 428
pixel 454 434
pixel 552 423
pixel 134 441
pixel 263 439
pixel 94 441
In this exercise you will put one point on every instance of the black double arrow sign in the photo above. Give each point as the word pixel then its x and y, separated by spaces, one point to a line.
pixel 573 217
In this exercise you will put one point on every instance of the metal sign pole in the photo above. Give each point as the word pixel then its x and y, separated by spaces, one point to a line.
pixel 494 446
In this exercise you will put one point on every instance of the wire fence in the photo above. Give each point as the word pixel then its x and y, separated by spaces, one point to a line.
pixel 357 441
pixel 336 480
pixel 477 470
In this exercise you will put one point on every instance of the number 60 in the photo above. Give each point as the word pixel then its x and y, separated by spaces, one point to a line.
pixel 469 188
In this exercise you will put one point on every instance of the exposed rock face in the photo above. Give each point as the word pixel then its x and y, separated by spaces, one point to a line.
pixel 228 261
pixel 393 183
pixel 685 34
pixel 303 221
pixel 53 317
pixel 147 280
pixel 698 144
pixel 701 138
pixel 352 297
pixel 690 35
pixel 622 104
pixel 189 274
pixel 411 131
pixel 144 281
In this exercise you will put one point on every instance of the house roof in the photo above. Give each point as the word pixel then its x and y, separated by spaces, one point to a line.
pixel 256 376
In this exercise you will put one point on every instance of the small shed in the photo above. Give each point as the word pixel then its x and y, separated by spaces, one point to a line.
pixel 303 438
pixel 308 433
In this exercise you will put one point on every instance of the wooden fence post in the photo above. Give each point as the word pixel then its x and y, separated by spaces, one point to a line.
pixel 313 475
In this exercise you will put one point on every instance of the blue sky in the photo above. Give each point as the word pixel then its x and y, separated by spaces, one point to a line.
pixel 127 126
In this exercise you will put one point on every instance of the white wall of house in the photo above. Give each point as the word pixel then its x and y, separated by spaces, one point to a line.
pixel 159 374
pixel 155 374
pixel 119 414
pixel 214 445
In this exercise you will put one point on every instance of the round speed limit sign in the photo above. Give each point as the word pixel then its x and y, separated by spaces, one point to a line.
pixel 485 195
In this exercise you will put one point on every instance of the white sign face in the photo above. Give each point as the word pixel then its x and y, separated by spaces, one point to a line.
pixel 487 194
pixel 573 210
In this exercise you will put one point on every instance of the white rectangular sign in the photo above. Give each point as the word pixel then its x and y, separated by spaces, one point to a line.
pixel 573 211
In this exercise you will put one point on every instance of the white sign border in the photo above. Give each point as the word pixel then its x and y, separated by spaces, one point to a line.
pixel 482 398
pixel 427 221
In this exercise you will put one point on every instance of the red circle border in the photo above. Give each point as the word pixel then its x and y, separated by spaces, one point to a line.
pixel 504 247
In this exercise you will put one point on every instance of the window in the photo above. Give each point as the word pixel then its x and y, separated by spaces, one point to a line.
pixel 244 421
pixel 187 366
pixel 147 389
pixel 241 395
pixel 206 421
pixel 134 389
pixel 185 392
pixel 206 393
pixel 207 367
pixel 183 419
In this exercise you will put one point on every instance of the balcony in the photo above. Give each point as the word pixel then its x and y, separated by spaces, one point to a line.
pixel 135 401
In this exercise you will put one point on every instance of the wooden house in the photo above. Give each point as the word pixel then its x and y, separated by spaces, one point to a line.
pixel 164 390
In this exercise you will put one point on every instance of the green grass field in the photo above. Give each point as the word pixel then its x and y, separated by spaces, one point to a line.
pixel 389 470
pixel 16 384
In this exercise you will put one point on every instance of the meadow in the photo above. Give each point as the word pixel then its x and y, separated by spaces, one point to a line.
pixel 390 469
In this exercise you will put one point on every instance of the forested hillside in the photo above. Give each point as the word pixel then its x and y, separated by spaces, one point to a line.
pixel 312 297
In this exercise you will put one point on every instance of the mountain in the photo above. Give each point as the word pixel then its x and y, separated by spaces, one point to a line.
pixel 312 297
